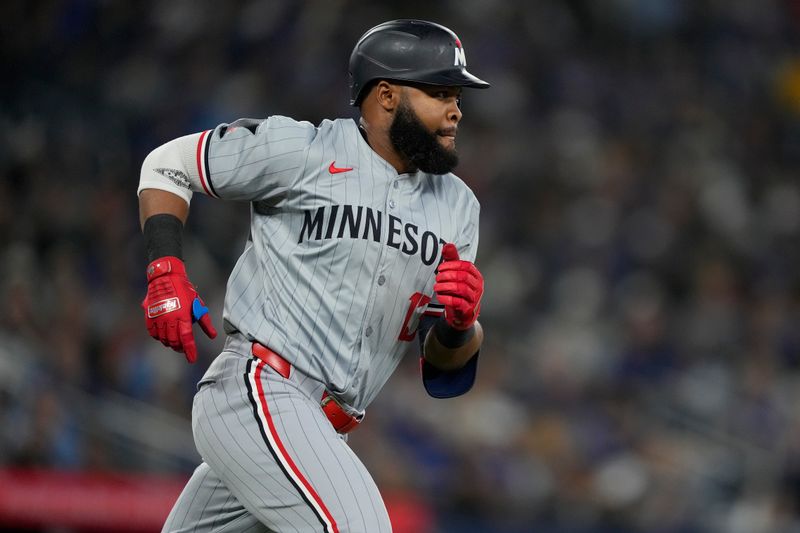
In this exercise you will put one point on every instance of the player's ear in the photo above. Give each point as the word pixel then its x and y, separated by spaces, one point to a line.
pixel 387 95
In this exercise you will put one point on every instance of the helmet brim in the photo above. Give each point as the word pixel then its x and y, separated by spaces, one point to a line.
pixel 443 78
pixel 454 78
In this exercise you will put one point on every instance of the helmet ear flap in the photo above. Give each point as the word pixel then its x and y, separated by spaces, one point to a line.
pixel 363 92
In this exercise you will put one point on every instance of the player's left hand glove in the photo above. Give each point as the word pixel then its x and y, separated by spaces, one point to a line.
pixel 172 306
pixel 459 287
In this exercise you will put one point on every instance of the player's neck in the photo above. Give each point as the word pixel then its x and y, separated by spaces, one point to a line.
pixel 378 140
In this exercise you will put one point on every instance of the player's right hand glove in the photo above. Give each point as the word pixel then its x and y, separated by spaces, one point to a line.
pixel 172 306
pixel 459 287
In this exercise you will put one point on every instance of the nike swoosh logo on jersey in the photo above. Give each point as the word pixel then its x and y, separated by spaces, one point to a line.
pixel 333 169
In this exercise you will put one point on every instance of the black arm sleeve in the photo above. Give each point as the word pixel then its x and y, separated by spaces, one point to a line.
pixel 163 237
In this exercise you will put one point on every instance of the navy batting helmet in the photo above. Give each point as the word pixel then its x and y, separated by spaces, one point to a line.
pixel 409 50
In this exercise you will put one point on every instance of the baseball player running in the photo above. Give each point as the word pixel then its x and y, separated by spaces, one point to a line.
pixel 361 241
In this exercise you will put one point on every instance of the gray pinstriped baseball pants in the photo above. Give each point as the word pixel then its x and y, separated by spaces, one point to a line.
pixel 271 460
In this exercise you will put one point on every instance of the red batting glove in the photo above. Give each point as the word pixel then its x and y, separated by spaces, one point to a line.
pixel 172 305
pixel 459 287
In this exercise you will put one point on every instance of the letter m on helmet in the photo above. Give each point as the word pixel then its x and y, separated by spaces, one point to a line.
pixel 461 57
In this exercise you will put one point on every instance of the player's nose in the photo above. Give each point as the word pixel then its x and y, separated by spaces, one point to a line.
pixel 454 113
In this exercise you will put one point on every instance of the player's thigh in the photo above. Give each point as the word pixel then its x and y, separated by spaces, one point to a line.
pixel 206 505
pixel 274 449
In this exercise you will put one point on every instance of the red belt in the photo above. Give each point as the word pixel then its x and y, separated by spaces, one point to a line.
pixel 341 420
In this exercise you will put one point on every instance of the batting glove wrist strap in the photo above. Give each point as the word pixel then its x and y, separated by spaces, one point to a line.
pixel 172 306
pixel 165 265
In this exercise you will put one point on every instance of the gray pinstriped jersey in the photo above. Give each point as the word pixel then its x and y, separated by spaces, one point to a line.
pixel 340 263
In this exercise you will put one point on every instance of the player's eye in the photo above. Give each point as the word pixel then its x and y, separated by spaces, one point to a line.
pixel 445 95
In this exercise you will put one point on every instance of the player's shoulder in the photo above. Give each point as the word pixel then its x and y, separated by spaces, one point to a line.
pixel 290 132
pixel 276 122
pixel 338 126
pixel 273 127
pixel 282 123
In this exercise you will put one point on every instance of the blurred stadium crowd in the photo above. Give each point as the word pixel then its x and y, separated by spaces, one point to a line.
pixel 636 162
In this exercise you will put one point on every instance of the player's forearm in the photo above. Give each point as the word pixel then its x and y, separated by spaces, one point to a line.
pixel 162 215
pixel 445 358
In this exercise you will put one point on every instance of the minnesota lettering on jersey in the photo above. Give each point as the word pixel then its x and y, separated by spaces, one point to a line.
pixel 359 222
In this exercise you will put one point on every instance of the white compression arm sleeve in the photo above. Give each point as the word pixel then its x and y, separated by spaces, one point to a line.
pixel 171 167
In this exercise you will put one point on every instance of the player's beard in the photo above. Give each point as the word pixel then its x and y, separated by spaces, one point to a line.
pixel 418 145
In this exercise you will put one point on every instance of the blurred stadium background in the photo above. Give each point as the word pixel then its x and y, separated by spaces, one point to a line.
pixel 637 165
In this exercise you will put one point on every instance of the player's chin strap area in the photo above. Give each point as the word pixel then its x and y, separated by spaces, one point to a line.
pixel 342 421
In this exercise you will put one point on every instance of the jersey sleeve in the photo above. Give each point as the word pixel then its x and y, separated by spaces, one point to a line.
pixel 245 160
pixel 252 159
